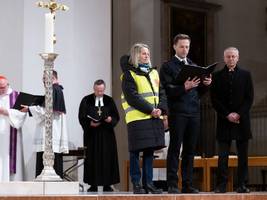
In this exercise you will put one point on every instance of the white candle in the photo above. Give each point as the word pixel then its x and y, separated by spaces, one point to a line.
pixel 49 33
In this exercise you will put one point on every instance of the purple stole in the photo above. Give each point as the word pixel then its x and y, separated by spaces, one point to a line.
pixel 13 137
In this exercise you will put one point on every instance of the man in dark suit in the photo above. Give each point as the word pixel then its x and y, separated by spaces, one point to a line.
pixel 232 98
pixel 184 114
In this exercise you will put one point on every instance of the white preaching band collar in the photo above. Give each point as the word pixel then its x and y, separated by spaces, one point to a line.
pixel 182 59
pixel 99 101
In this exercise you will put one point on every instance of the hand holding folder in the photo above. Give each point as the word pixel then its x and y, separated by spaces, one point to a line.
pixel 191 71
pixel 94 119
pixel 28 100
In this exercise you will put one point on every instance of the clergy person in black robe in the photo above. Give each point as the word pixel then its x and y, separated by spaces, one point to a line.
pixel 98 115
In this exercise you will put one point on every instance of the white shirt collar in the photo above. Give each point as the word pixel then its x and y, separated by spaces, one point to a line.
pixel 182 59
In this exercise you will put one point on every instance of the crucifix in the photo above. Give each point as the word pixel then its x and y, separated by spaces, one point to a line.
pixel 99 111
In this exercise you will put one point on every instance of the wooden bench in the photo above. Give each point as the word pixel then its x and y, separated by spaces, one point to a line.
pixel 158 163
pixel 260 161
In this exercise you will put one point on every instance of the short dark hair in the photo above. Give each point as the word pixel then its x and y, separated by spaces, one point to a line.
pixel 55 74
pixel 100 82
pixel 181 36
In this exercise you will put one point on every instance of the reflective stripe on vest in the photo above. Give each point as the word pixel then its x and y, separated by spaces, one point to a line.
pixel 145 91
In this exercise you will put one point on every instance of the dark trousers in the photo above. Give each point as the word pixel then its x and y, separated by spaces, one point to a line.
pixel 183 129
pixel 58 164
pixel 242 169
pixel 147 168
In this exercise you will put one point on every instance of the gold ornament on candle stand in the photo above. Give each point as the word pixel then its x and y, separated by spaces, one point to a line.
pixel 52 6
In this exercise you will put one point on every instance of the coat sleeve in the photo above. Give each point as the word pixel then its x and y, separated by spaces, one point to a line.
pixel 248 96
pixel 215 100
pixel 113 113
pixel 83 119
pixel 162 100
pixel 131 95
pixel 167 79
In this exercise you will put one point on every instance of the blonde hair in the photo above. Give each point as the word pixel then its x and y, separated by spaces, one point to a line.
pixel 135 54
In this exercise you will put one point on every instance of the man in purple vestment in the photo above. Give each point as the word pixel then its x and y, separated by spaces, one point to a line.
pixel 11 120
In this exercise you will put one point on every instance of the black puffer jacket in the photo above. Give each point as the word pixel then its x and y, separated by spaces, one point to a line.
pixel 142 134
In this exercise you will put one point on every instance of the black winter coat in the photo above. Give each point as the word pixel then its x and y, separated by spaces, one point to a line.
pixel 142 134
pixel 232 95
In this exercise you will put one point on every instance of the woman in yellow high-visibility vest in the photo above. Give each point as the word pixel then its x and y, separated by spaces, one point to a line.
pixel 144 103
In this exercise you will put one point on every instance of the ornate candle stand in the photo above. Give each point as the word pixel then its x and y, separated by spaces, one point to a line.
pixel 48 173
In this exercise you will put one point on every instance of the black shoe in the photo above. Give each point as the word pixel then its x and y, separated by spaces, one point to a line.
pixel 93 188
pixel 242 189
pixel 152 189
pixel 137 189
pixel 107 188
pixel 220 190
pixel 173 190
pixel 190 189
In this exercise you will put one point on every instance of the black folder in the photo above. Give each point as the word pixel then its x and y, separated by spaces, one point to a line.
pixel 195 71
pixel 94 119
pixel 93 114
pixel 28 100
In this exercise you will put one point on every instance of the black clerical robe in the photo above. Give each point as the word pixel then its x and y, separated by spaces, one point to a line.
pixel 101 162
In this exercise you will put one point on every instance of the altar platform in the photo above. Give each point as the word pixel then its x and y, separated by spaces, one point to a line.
pixel 34 188
pixel 130 196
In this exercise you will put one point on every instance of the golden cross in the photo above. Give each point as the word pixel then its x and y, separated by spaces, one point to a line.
pixel 52 5
pixel 99 111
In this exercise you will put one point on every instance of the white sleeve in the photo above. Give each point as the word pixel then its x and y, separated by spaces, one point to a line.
pixel 16 118
pixel 38 113
pixel 64 147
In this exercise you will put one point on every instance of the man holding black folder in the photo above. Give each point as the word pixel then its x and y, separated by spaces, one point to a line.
pixel 184 114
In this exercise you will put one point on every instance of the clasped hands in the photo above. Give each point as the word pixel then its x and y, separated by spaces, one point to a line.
pixel 233 117
pixel 192 83
pixel 156 112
